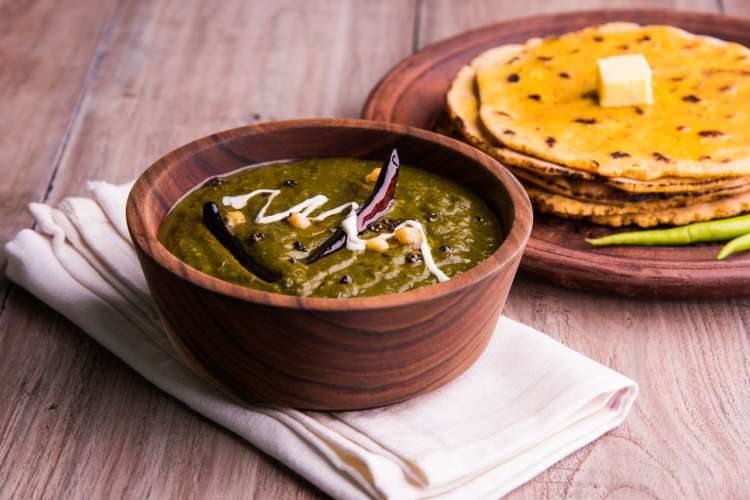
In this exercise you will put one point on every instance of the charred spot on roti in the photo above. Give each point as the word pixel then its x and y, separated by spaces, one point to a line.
pixel 710 133
pixel 661 157
pixel 591 94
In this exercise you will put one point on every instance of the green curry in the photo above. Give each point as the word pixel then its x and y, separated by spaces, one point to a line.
pixel 460 229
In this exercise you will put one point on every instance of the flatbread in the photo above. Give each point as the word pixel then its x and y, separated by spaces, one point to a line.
pixel 562 206
pixel 634 202
pixel 663 185
pixel 462 105
pixel 674 184
pixel 539 102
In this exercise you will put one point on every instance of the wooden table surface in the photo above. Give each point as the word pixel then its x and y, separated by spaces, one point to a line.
pixel 98 89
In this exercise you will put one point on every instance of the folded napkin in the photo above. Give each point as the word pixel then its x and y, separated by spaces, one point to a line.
pixel 527 403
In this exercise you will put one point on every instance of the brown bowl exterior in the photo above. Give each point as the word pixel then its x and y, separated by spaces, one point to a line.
pixel 319 353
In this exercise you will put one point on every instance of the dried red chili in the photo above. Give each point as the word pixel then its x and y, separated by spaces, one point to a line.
pixel 380 201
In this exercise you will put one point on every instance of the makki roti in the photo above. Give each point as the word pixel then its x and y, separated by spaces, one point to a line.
pixel 661 185
pixel 624 202
pixel 601 198
pixel 562 206
pixel 462 104
pixel 541 101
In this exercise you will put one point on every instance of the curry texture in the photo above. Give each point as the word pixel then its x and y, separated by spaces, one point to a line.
pixel 461 230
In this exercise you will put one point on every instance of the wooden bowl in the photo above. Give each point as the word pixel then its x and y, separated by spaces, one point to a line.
pixel 321 353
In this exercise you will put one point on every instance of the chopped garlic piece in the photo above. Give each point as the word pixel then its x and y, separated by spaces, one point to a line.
pixel 408 236
pixel 234 218
pixel 373 176
pixel 300 221
pixel 624 81
pixel 377 245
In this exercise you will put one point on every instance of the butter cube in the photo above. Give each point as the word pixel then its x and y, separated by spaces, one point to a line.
pixel 625 81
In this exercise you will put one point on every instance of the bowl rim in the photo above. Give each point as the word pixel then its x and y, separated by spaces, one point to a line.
pixel 514 242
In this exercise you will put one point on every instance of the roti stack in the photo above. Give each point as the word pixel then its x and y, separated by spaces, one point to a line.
pixel 683 159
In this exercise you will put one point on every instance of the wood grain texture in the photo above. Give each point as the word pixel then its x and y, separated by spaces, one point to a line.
pixel 692 359
pixel 77 423
pixel 413 93
pixel 39 59
pixel 319 353
pixel 684 438
pixel 174 71
pixel 736 7
pixel 444 18
pixel 315 59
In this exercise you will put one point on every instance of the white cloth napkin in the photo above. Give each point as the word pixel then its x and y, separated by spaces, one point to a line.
pixel 527 403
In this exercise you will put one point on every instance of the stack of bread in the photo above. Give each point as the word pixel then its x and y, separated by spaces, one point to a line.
pixel 680 157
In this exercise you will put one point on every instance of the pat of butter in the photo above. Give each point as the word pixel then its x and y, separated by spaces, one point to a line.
pixel 625 81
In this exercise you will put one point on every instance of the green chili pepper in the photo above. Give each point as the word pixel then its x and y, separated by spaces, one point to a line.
pixel 716 230
pixel 739 244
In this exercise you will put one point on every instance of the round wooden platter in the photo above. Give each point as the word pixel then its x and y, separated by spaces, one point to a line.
pixel 413 93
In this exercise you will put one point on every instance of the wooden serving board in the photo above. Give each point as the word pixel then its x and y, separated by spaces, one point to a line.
pixel 413 93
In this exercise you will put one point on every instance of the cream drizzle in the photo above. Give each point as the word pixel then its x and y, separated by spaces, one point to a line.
pixel 424 247
pixel 303 207
pixel 349 225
